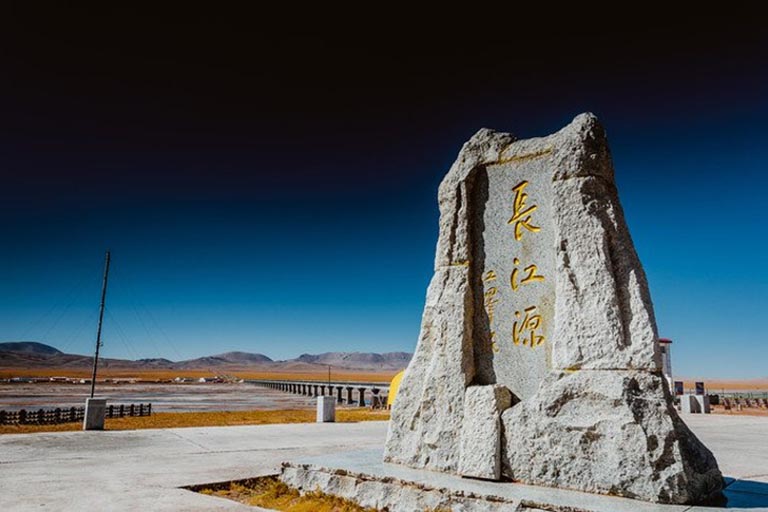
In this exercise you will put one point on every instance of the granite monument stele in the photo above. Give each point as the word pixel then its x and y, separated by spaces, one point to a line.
pixel 538 358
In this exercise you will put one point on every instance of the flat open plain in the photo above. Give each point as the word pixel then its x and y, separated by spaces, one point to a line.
pixel 145 470
pixel 163 397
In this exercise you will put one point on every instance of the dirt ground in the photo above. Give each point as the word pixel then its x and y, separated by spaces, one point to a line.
pixel 163 397
pixel 745 411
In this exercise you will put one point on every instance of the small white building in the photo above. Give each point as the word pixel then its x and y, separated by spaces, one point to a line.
pixel 665 347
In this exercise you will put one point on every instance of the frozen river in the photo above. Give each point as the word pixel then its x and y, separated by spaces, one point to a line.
pixel 163 397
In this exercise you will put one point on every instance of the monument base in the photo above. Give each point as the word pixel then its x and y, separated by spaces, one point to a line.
pixel 95 412
pixel 362 477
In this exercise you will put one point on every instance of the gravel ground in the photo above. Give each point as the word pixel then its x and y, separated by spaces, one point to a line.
pixel 164 397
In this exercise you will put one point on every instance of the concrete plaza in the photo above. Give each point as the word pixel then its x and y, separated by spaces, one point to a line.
pixel 146 469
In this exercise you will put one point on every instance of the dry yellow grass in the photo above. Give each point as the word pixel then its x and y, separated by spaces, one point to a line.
pixel 160 375
pixel 205 419
pixel 271 493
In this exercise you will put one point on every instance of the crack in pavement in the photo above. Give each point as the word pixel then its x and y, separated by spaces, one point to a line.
pixel 207 450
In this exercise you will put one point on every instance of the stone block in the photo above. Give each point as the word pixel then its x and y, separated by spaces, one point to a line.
pixel 538 288
pixel 326 409
pixel 704 403
pixel 95 412
pixel 694 404
pixel 608 432
pixel 689 404
pixel 480 455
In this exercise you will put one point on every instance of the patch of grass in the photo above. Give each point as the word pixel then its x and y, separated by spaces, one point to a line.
pixel 206 419
pixel 269 492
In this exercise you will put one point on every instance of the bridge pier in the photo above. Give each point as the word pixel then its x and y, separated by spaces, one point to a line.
pixel 361 398
pixel 332 390
pixel 349 395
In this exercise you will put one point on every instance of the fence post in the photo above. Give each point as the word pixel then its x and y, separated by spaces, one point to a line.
pixel 2 417
pixel 122 410
pixel 141 409
pixel 111 410
pixel 40 416
pixel 131 410
pixel 149 409
pixel 57 415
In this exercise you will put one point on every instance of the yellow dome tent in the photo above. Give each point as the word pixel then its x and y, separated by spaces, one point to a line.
pixel 394 386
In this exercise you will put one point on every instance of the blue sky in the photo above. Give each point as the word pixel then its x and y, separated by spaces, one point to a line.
pixel 265 215
pixel 348 270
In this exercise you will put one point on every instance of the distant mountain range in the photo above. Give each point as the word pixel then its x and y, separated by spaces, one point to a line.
pixel 31 354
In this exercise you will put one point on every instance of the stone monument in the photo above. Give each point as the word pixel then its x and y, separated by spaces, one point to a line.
pixel 95 412
pixel 538 358
pixel 326 409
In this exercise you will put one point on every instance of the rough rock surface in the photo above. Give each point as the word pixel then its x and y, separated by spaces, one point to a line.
pixel 391 494
pixel 595 322
pixel 427 418
pixel 607 432
pixel 432 407
pixel 480 455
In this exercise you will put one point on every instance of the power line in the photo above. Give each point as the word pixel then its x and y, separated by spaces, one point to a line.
pixel 122 336
pixel 150 337
pixel 136 303
pixel 75 292
pixel 89 319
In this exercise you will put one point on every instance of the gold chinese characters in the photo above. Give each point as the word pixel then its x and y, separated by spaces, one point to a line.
pixel 521 216
pixel 528 323
pixel 490 301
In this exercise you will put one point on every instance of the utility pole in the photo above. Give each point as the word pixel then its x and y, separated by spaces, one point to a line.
pixel 101 319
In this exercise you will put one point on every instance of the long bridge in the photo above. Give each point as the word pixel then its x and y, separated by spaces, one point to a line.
pixel 345 392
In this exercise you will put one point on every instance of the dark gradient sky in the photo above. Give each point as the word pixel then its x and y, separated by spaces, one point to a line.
pixel 268 184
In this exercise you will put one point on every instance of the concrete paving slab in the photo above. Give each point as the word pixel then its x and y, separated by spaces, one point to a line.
pixel 740 443
pixel 144 469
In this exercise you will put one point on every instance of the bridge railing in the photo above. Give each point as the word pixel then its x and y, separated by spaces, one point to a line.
pixel 360 394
